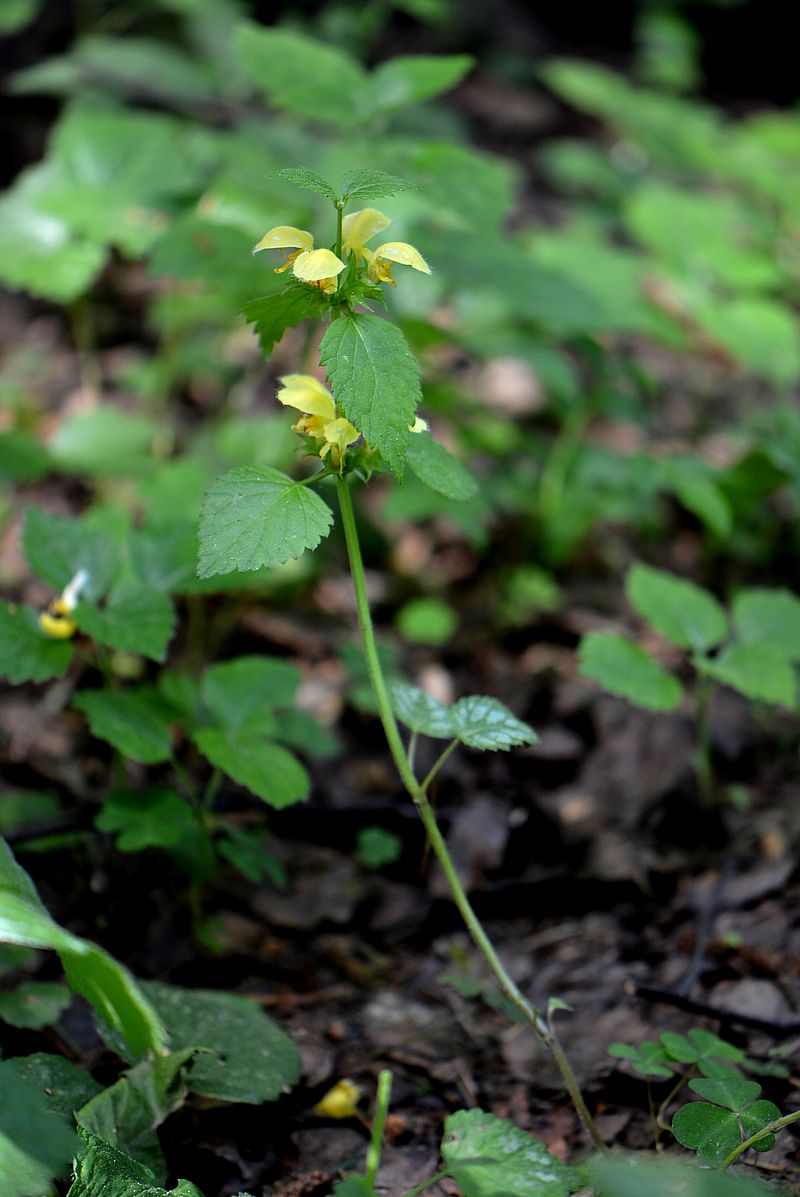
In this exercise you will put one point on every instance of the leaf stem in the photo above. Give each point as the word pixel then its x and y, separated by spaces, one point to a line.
pixel 417 792
pixel 378 1125
pixel 434 769
pixel 771 1128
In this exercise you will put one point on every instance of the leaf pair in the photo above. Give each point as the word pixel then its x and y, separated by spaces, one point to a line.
pixel 479 721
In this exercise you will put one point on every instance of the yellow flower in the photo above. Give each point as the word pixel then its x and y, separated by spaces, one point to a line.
pixel 340 1101
pixel 419 425
pixel 55 621
pixel 309 265
pixel 359 227
pixel 320 421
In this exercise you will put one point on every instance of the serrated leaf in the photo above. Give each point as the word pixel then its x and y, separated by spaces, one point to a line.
pixel 102 1170
pixel 248 1057
pixel 235 691
pixel 373 184
pixel 264 768
pixel 756 670
pixel 157 818
pixel 36 1145
pixel 254 517
pixel 375 379
pixel 26 653
pixel 34 1004
pixel 136 619
pixel 311 180
pixel 682 612
pixel 622 668
pixel 66 1086
pixel 483 722
pixel 439 469
pixel 90 971
pixel 129 720
pixel 771 618
pixel 273 314
pixel 421 713
pixel 489 1157
pixel 409 80
pixel 56 549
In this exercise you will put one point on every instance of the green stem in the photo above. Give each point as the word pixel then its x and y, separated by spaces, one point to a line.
pixel 339 223
pixel 426 1184
pixel 417 792
pixel 378 1126
pixel 770 1129
pixel 431 774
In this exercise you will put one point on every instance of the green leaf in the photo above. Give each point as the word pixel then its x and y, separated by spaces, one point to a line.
pixel 375 378
pixel 303 75
pixel 129 720
pixel 714 1132
pixel 694 486
pixel 66 1086
pixel 439 469
pixel 136 619
pixel 157 818
pixel 756 670
pixel 34 1004
pixel 236 691
pixel 373 184
pixel 90 971
pixel 247 851
pixel 760 333
pixel 104 443
pixel 485 723
pixel 16 14
pixel 22 459
pixel 26 653
pixel 770 618
pixel 699 1046
pixel 489 1157
pixel 103 1170
pixel 127 1114
pixel 353 1186
pixel 376 847
pixel 421 713
pixel 36 1145
pixel 56 549
pixel 679 610
pixel 634 1176
pixel 311 180
pixel 273 314
pixel 648 1058
pixel 427 621
pixel 248 1057
pixel 622 668
pixel 403 81
pixel 734 1092
pixel 255 517
pixel 264 768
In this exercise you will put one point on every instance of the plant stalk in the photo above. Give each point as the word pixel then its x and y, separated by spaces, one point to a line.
pixel 417 792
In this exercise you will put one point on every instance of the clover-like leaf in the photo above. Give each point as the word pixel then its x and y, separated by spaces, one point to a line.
pixel 254 517
pixel 648 1058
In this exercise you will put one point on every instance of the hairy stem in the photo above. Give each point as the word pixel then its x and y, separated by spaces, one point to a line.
pixel 417 792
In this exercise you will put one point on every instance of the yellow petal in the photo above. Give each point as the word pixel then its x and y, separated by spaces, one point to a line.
pixel 317 264
pixel 341 433
pixel 307 394
pixel 358 227
pixel 340 1101
pixel 419 425
pixel 57 627
pixel 285 236
pixel 404 254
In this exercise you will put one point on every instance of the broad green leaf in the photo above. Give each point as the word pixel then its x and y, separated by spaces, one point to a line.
pixel 65 1086
pixel 22 459
pixel 255 517
pixel 489 1157
pixel 302 75
pixel 127 1114
pixel 36 1145
pixel 90 971
pixel 363 185
pixel 770 618
pixel 760 333
pixel 353 1186
pixel 16 14
pixel 273 314
pixel 634 1176
pixel 758 671
pixel 376 847
pixel 264 768
pixel 733 1093
pixel 375 378
pixel 421 713
pixel 694 486
pixel 713 1132
pixel 248 852
pixel 136 619
pixel 34 1004
pixel 143 67
pixel 465 188
pixel 699 1046
pixel 103 443
pixel 248 1057
pixel 26 653
pixel 648 1058
pixel 235 691
pixel 129 720
pixel 403 81
pixel 679 610
pixel 439 469
pixel 622 668
pixel 311 180
pixel 56 549
pixel 157 818
pixel 102 1170
pixel 484 723
pixel 427 621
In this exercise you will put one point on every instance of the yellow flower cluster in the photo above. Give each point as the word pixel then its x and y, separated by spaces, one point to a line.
pixel 56 622
pixel 321 267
